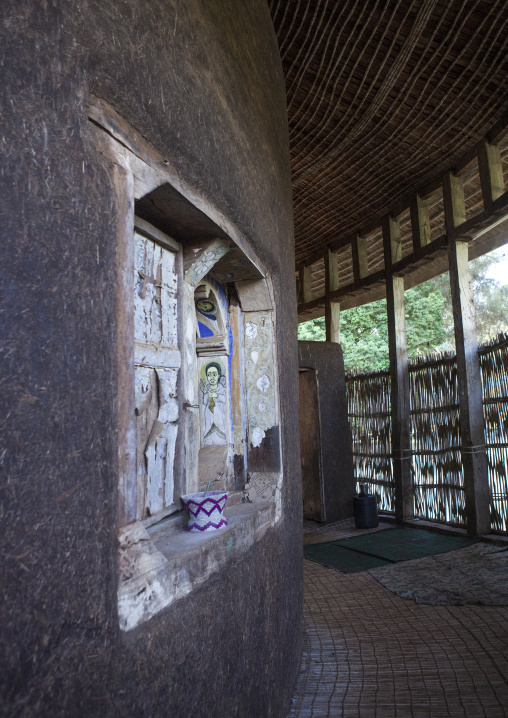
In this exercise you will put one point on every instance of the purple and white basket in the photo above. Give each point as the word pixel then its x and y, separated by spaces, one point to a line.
pixel 205 510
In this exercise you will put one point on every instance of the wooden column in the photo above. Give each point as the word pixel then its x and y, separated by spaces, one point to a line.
pixel 472 423
pixel 332 309
pixel 399 376
pixel 304 284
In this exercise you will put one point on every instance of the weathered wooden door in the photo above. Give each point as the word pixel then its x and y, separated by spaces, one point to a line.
pixel 157 362
pixel 310 448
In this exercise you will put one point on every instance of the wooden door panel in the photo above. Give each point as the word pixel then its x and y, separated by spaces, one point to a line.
pixel 310 447
pixel 157 362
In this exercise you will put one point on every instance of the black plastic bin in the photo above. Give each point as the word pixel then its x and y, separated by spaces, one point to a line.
pixel 365 509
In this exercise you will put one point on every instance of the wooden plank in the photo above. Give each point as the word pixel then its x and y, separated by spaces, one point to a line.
pixel 237 395
pixel 124 318
pixel 399 382
pixel 146 229
pixel 310 448
pixel 395 242
pixel 420 223
pixel 491 172
pixel 472 424
pixel 305 284
pixel 332 308
pixel 453 200
pixel 362 257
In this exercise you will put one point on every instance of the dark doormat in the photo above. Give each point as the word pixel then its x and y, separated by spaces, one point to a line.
pixel 361 553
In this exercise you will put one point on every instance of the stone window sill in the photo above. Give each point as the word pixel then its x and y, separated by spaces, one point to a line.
pixel 164 562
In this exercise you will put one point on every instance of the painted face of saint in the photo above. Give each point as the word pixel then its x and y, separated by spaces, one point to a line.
pixel 213 377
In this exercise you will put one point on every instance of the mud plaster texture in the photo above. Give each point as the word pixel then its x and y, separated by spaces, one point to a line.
pixel 202 83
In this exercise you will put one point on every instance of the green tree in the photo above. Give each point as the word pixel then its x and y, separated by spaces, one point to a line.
pixel 490 300
pixel 429 319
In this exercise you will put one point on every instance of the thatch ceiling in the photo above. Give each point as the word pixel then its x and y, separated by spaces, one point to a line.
pixel 383 96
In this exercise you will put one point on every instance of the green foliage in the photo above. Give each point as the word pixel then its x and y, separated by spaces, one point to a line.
pixel 429 319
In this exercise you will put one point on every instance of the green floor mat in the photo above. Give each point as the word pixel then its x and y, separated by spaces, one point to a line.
pixel 345 560
pixel 360 553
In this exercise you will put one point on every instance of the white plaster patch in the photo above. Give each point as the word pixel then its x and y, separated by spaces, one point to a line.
pixel 190 329
pixel 251 330
pixel 254 356
pixel 263 383
pixel 262 407
pixel 257 436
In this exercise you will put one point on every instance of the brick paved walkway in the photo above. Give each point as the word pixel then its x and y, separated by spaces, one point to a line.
pixel 370 653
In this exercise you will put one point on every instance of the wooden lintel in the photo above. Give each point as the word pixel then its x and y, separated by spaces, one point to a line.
pixel 491 172
pixel 454 203
pixel 424 254
pixel 304 284
pixel 475 224
pixel 308 306
pixel 420 223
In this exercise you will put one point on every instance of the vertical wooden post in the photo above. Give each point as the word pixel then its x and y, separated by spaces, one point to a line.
pixel 491 172
pixel 472 423
pixel 399 379
pixel 332 309
pixel 305 284
pixel 420 223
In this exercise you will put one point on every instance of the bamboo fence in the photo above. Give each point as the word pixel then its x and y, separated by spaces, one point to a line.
pixel 494 368
pixel 369 419
pixel 437 475
pixel 438 480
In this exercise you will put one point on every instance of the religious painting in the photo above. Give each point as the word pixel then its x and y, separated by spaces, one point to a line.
pixel 213 401
pixel 206 313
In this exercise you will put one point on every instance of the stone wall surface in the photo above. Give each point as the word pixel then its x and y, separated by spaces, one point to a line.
pixel 202 82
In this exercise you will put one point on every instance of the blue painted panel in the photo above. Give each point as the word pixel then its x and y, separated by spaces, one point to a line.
pixel 204 331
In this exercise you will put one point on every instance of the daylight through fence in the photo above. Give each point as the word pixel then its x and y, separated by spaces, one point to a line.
pixel 369 419
pixel 438 482
pixel 494 368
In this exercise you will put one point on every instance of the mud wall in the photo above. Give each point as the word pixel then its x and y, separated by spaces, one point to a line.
pixel 202 83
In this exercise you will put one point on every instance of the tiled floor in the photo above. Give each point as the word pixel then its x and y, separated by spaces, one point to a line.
pixel 370 653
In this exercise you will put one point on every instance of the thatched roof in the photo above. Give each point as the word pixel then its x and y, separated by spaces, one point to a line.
pixel 383 97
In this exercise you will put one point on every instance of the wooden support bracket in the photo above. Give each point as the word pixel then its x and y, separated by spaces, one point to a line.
pixel 454 203
pixel 491 172
pixel 420 223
